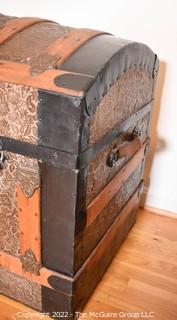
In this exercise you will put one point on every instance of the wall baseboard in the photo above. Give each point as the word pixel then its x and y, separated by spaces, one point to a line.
pixel 159 211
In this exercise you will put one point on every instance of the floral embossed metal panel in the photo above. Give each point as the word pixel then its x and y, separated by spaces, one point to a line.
pixel 18 117
pixel 75 108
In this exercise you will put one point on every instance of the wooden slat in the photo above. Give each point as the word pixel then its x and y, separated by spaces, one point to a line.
pixel 14 265
pixel 18 73
pixel 29 222
pixel 97 205
pixel 66 45
pixel 16 25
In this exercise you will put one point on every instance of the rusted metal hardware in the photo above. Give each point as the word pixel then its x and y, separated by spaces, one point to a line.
pixel 128 148
pixel 29 262
pixel 2 157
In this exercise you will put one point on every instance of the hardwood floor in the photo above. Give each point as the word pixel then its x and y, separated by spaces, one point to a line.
pixel 141 279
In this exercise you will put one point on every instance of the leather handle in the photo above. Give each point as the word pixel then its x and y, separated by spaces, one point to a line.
pixel 127 149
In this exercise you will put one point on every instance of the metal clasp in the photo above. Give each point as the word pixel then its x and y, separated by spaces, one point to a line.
pixel 2 157
pixel 112 159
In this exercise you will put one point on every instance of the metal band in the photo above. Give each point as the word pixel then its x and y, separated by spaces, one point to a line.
pixel 54 157
pixel 16 25
pixel 66 45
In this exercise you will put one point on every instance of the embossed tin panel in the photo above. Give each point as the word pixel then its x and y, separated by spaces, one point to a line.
pixel 126 96
pixel 18 113
pixel 20 289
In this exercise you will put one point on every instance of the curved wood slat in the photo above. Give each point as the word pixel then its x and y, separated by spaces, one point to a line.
pixel 66 45
pixel 16 25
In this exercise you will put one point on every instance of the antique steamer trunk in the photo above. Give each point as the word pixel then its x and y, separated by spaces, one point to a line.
pixel 75 107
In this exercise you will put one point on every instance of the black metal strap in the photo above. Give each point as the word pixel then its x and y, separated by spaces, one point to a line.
pixel 53 157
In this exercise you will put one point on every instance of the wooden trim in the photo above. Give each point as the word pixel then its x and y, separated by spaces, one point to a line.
pixel 29 223
pixel 19 73
pixel 66 45
pixel 16 25
pixel 160 212
pixel 97 205
pixel 14 265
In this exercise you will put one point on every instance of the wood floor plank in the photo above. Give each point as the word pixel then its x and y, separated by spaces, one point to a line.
pixel 10 309
pixel 156 224
pixel 149 262
pixel 142 277
pixel 165 282
pixel 153 246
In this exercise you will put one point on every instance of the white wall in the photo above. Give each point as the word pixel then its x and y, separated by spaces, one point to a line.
pixel 153 22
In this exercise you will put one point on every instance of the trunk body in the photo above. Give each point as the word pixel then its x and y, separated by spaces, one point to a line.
pixel 75 113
